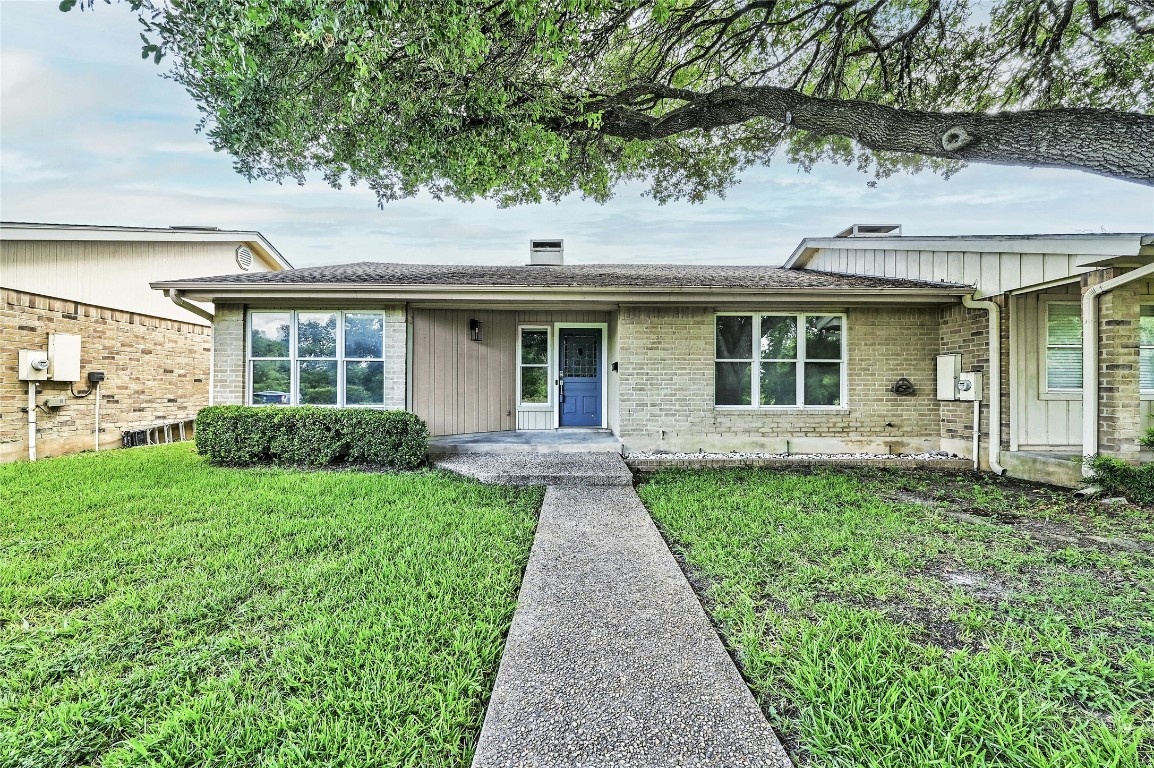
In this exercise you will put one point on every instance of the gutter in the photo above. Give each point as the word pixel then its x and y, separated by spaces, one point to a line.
pixel 183 303
pixel 995 378
pixel 1090 359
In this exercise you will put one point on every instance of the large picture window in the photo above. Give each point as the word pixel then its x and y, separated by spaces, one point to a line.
pixel 533 366
pixel 779 360
pixel 316 358
pixel 1063 346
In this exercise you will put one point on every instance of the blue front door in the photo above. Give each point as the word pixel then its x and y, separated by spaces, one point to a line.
pixel 579 371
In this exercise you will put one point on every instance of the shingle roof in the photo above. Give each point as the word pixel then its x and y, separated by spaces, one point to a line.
pixel 574 276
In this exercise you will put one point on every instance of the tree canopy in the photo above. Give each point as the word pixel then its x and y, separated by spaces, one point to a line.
pixel 523 100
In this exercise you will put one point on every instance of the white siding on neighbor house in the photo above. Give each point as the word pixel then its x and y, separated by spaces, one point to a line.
pixel 992 273
pixel 115 274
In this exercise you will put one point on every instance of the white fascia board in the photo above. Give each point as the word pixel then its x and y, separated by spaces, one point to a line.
pixel 1108 245
pixel 574 296
pixel 264 249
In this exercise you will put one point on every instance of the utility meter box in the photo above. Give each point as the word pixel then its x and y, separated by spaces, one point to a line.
pixel 33 365
pixel 970 386
pixel 63 357
pixel 949 371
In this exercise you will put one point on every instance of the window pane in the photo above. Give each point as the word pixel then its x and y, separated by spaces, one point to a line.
pixel 1146 369
pixel 823 383
pixel 1146 327
pixel 823 338
pixel 1063 324
pixel 779 338
pixel 364 383
pixel 534 347
pixel 271 383
pixel 316 334
pixel 734 385
pixel 1063 368
pixel 534 385
pixel 364 335
pixel 318 382
pixel 270 334
pixel 778 384
pixel 735 337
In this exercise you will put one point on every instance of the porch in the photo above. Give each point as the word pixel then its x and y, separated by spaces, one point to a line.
pixel 527 441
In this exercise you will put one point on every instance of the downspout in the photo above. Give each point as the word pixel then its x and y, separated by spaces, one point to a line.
pixel 995 379
pixel 1090 359
pixel 184 303
pixel 32 421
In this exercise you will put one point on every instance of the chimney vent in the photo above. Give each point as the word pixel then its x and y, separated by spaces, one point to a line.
pixel 872 230
pixel 546 253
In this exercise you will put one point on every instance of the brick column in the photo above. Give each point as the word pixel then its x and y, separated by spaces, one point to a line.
pixel 228 368
pixel 1119 404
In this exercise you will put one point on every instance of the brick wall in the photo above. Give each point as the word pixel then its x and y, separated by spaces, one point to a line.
pixel 230 370
pixel 966 332
pixel 667 388
pixel 1119 405
pixel 157 370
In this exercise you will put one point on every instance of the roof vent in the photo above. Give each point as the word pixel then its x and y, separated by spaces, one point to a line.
pixel 872 230
pixel 244 258
pixel 546 253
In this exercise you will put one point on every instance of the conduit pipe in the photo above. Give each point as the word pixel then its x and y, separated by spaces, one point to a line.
pixel 96 429
pixel 1090 359
pixel 995 384
pixel 32 421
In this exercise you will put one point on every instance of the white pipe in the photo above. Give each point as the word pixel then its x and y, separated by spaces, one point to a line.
pixel 995 383
pixel 977 433
pixel 184 303
pixel 32 421
pixel 96 429
pixel 1090 359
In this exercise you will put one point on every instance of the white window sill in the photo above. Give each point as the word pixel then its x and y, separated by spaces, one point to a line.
pixel 543 407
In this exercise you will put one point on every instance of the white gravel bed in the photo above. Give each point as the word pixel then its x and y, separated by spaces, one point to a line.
pixel 748 455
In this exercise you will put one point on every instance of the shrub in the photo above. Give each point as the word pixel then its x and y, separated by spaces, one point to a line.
pixel 242 435
pixel 1135 482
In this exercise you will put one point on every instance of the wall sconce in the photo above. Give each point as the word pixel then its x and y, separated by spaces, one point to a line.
pixel 476 330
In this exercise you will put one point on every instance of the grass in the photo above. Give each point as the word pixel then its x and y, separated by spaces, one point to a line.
pixel 893 619
pixel 156 611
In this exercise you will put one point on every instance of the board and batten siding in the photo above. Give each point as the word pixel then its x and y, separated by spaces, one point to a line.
pixel 115 274
pixel 460 385
pixel 992 273
pixel 1046 420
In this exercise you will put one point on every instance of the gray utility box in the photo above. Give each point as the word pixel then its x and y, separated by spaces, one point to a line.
pixel 949 372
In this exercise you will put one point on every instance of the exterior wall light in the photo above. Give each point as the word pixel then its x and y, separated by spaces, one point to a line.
pixel 476 330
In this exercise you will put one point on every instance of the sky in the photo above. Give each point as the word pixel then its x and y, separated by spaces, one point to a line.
pixel 91 134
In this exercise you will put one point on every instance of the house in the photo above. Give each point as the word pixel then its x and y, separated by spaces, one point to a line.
pixel 76 300
pixel 864 342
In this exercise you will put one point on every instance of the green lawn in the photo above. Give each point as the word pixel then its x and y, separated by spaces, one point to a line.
pixel 877 629
pixel 158 611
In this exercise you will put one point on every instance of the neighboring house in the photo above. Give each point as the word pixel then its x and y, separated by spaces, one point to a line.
pixel 60 282
pixel 836 351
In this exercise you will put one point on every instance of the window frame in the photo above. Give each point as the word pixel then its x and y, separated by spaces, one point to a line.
pixel 1045 390
pixel 548 366
pixel 294 359
pixel 1143 394
pixel 800 362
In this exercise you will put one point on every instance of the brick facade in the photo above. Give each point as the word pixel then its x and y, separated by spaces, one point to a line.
pixel 1119 405
pixel 157 371
pixel 230 370
pixel 966 332
pixel 667 387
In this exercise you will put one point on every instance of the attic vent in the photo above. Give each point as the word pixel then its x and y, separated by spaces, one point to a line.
pixel 546 252
pixel 871 230
pixel 244 258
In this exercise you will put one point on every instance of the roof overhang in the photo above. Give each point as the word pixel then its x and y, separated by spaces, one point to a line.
pixel 13 230
pixel 1104 248
pixel 223 293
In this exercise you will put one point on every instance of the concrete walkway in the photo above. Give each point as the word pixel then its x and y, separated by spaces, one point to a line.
pixel 611 660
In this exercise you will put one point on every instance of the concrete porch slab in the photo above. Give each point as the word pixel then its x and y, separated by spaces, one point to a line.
pixel 1056 468
pixel 527 441
pixel 567 469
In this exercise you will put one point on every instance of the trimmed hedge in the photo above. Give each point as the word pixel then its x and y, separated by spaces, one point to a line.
pixel 244 435
pixel 1135 482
